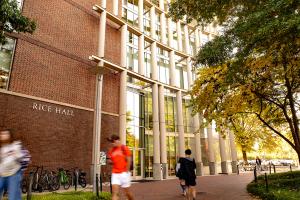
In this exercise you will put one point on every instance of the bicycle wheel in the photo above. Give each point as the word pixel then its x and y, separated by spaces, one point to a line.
pixel 68 181
pixel 54 183
pixel 24 186
pixel 82 182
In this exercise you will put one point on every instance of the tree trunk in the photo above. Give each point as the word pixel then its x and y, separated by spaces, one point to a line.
pixel 245 157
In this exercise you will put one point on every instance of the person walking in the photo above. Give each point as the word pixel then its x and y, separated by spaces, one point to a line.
pixel 187 168
pixel 258 164
pixel 10 166
pixel 120 157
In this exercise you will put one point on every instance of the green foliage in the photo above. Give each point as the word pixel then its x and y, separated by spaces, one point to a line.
pixel 11 19
pixel 253 67
pixel 282 186
pixel 72 196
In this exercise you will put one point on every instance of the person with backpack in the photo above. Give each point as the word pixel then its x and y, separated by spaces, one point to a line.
pixel 120 157
pixel 10 166
pixel 186 172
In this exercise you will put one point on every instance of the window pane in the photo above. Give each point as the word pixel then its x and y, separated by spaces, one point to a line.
pixel 6 55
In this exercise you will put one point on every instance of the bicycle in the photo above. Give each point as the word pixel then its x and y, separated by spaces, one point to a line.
pixel 64 178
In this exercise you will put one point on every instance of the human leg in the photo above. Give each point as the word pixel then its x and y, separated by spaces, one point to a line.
pixel 115 181
pixel 128 193
pixel 125 184
pixel 14 186
pixel 183 186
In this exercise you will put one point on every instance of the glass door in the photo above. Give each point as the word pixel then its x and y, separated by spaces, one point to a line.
pixel 138 163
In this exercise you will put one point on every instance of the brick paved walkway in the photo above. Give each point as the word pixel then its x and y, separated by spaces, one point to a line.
pixel 223 187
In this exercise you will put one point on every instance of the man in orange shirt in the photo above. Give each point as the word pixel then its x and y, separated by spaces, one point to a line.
pixel 120 157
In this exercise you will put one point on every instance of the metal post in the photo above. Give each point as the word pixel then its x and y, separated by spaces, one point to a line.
pixel 110 185
pixel 238 169
pixel 266 181
pixel 97 185
pixel 255 175
pixel 29 189
pixel 101 182
pixel 274 168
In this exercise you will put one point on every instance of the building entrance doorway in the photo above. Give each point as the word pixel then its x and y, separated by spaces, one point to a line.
pixel 138 163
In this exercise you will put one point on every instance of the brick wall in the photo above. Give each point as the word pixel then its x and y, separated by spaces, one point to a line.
pixel 54 140
pixel 53 62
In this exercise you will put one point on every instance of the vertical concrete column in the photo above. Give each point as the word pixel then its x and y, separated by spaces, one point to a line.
pixel 172 68
pixel 189 73
pixel 197 39
pixel 141 55
pixel 115 7
pixel 222 144
pixel 233 152
pixel 141 15
pixel 187 40
pixel 179 35
pixel 211 152
pixel 98 103
pixel 156 145
pixel 163 22
pixel 170 32
pixel 198 154
pixel 123 85
pixel 103 3
pixel 180 124
pixel 162 128
pixel 152 22
pixel 154 61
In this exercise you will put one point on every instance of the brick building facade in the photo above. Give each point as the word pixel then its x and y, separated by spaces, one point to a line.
pixel 49 91
pixel 51 68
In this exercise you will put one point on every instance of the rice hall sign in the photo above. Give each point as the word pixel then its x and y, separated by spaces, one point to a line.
pixel 52 109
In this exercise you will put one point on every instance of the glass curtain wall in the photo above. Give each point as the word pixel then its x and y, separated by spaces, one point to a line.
pixel 147 20
pixel 130 12
pixel 192 40
pixel 157 27
pixel 175 36
pixel 147 58
pixel 163 64
pixel 171 128
pixel 6 58
pixel 132 52
pixel 181 73
pixel 139 134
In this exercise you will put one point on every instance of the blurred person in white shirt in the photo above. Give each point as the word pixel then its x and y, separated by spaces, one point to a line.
pixel 10 166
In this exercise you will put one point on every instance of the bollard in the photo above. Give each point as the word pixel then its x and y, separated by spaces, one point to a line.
pixel 76 174
pixel 97 185
pixel 255 174
pixel 100 182
pixel 274 168
pixel 266 181
pixel 290 167
pixel 110 185
pixel 238 170
pixel 29 189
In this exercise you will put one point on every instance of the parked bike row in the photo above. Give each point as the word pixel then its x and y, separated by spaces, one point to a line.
pixel 40 179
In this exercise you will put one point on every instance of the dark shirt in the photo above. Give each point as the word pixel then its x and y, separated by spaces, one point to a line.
pixel 187 167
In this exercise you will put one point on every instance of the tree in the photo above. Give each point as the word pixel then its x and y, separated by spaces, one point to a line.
pixel 253 66
pixel 11 19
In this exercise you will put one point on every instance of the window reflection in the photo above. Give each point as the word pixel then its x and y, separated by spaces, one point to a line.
pixel 130 12
pixel 6 57
pixel 163 65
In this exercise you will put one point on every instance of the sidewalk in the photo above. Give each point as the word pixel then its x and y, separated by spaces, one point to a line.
pixel 222 187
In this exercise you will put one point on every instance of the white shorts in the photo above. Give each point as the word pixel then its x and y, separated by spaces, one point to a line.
pixel 122 179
